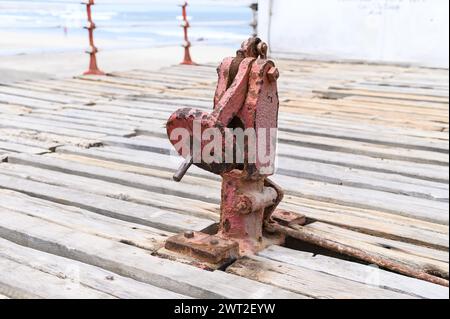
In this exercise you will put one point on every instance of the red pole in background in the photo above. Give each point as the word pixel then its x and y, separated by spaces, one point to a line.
pixel 187 44
pixel 92 51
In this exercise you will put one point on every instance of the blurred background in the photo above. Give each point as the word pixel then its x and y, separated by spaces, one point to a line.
pixel 46 37
pixel 57 25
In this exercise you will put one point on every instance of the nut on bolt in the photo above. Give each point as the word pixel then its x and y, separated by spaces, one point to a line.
pixel 244 205
pixel 273 74
pixel 189 234
pixel 262 50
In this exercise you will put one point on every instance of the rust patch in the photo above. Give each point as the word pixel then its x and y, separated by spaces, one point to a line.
pixel 208 248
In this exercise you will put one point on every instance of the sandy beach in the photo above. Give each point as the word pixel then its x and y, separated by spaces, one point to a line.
pixel 48 40
pixel 67 64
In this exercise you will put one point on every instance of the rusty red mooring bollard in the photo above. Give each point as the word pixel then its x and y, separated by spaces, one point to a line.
pixel 187 44
pixel 246 100
pixel 92 51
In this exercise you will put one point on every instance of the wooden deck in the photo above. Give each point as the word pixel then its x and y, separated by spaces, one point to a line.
pixel 87 199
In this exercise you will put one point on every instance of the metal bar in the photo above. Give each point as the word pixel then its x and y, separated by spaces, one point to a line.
pixel 302 233
pixel 178 176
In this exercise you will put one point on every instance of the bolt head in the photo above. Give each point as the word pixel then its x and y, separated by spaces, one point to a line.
pixel 189 234
pixel 273 74
pixel 262 49
pixel 244 205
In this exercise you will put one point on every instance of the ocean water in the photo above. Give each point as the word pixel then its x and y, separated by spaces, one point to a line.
pixel 127 23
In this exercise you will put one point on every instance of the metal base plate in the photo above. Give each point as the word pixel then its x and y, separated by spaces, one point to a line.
pixel 203 247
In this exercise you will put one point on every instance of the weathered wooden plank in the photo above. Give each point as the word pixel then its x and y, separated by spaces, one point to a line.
pixel 139 112
pixel 372 222
pixel 125 120
pixel 30 92
pixel 27 102
pixel 394 203
pixel 68 125
pixel 369 275
pixel 375 246
pixel 127 211
pixel 407 206
pixel 368 221
pixel 152 82
pixel 428 92
pixel 345 146
pixel 28 141
pixel 96 122
pixel 19 281
pixel 384 110
pixel 336 93
pixel 111 190
pixel 18 124
pixel 111 172
pixel 81 220
pixel 353 177
pixel 315 171
pixel 426 172
pixel 87 88
pixel 392 245
pixel 75 277
pixel 297 126
pixel 122 83
pixel 13 109
pixel 131 261
pixel 349 124
pixel 48 138
pixel 308 282
pixel 20 148
pixel 434 173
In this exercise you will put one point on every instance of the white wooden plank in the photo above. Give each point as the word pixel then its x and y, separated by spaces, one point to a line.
pixel 321 172
pixel 27 102
pixel 85 221
pixel 20 281
pixel 132 262
pixel 369 275
pixel 48 137
pixel 75 276
pixel 199 189
pixel 403 205
pixel 131 212
pixel 383 224
pixel 129 194
pixel 20 148
pixel 7 123
pixel 68 125
pixel 312 283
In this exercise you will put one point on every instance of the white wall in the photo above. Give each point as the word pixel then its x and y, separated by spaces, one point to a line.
pixel 399 31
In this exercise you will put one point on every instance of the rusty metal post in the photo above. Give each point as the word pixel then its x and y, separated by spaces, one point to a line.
pixel 92 51
pixel 254 23
pixel 246 98
pixel 187 44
